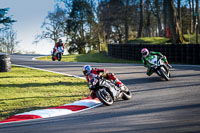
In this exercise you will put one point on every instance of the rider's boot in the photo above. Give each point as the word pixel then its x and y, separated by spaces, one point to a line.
pixel 119 84
pixel 169 65
pixel 92 95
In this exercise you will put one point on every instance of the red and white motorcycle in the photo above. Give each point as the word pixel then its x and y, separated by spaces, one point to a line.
pixel 57 55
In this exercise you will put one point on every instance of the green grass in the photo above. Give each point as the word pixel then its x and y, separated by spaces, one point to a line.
pixel 26 89
pixel 191 38
pixel 150 40
pixel 93 57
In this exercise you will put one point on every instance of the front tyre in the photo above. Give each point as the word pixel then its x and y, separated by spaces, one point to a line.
pixel 59 56
pixel 53 59
pixel 164 73
pixel 127 95
pixel 104 96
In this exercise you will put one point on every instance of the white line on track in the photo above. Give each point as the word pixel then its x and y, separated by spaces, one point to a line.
pixel 50 71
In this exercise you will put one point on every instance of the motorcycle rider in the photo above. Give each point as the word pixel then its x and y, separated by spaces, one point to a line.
pixel 58 44
pixel 146 55
pixel 89 71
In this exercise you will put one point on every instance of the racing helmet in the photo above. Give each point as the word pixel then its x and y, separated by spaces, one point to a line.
pixel 145 52
pixel 87 69
pixel 60 41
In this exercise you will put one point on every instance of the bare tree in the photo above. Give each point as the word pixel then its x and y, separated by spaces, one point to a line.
pixel 8 40
pixel 54 26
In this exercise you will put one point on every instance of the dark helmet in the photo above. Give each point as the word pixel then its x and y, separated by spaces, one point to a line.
pixel 60 40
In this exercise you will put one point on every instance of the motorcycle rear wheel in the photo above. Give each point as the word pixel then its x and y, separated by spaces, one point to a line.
pixel 104 96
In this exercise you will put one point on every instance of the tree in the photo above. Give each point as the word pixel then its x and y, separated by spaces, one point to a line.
pixel 8 36
pixel 8 41
pixel 80 26
pixel 4 19
pixel 53 25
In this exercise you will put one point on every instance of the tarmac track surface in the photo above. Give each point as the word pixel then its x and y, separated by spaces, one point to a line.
pixel 157 106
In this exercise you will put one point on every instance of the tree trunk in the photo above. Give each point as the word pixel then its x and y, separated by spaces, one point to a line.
pixel 126 22
pixel 179 15
pixel 194 19
pixel 174 24
pixel 158 17
pixel 141 18
pixel 165 16
pixel 148 23
pixel 191 18
pixel 197 20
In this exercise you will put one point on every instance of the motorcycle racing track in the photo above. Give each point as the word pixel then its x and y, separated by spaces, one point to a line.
pixel 157 105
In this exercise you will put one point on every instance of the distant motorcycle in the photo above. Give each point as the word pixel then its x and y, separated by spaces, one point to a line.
pixel 107 91
pixel 160 67
pixel 58 54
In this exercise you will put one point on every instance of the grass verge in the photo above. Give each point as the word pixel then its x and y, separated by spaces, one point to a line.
pixel 191 38
pixel 26 89
pixel 92 57
pixel 150 40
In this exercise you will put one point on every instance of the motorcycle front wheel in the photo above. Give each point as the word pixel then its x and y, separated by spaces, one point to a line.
pixel 59 57
pixel 164 73
pixel 127 95
pixel 53 59
pixel 104 96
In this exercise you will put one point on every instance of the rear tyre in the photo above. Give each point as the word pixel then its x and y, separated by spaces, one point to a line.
pixel 104 96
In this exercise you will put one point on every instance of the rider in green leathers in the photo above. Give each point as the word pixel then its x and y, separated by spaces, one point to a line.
pixel 146 55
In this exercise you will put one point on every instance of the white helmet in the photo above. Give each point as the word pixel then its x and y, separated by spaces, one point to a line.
pixel 145 52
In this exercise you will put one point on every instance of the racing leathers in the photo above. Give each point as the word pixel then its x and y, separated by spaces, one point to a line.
pixel 149 57
pixel 58 44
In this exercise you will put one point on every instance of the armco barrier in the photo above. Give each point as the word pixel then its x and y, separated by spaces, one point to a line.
pixel 185 53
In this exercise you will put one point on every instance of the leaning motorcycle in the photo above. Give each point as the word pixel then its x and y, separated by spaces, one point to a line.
pixel 107 91
pixel 58 54
pixel 158 66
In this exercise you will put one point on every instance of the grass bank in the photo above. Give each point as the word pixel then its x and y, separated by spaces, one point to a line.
pixel 190 39
pixel 92 57
pixel 149 40
pixel 26 89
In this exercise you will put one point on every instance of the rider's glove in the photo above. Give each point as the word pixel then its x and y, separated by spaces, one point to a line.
pixel 90 86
